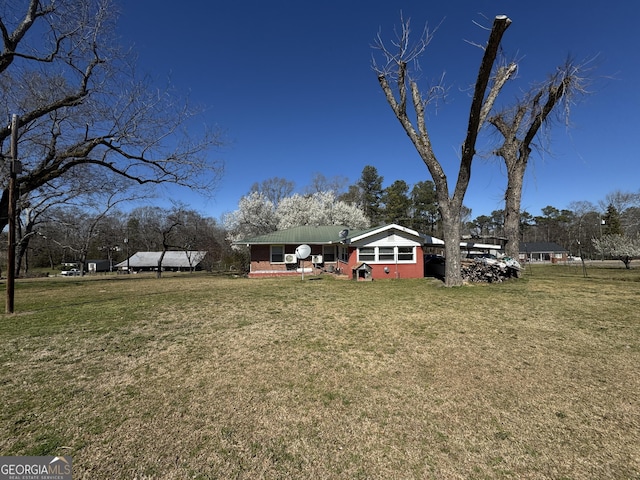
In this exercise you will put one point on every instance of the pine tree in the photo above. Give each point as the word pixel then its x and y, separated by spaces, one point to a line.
pixel 370 184
pixel 612 224
pixel 424 207
pixel 396 203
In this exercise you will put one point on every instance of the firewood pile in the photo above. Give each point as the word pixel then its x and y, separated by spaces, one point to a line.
pixel 486 270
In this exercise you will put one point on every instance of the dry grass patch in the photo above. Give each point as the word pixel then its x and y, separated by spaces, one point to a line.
pixel 205 377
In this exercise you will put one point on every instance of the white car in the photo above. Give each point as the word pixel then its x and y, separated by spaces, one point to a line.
pixel 74 272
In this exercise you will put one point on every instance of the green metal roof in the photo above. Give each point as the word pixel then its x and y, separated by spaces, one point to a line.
pixel 299 235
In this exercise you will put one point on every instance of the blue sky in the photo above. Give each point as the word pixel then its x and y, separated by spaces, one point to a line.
pixel 292 86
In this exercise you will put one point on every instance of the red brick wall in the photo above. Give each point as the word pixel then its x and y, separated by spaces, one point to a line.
pixel 401 270
pixel 261 266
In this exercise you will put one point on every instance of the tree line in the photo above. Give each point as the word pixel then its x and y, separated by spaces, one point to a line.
pixel 610 229
pixel 93 226
pixel 272 205
pixel 73 234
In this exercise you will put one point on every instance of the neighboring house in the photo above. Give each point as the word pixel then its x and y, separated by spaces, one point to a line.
pixel 542 252
pixel 487 243
pixel 172 261
pixel 390 251
pixel 96 266
pixel 477 248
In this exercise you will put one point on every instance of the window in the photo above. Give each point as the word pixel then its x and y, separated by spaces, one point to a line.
pixel 405 254
pixel 277 253
pixel 367 254
pixel 329 253
pixel 343 252
pixel 386 254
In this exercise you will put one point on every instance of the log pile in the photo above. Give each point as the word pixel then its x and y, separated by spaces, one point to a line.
pixel 482 270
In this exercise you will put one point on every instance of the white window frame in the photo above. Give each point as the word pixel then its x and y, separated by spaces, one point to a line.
pixel 384 253
pixel 400 254
pixel 366 257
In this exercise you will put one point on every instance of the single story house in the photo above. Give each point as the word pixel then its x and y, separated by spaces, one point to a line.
pixel 175 261
pixel 542 252
pixel 389 251
pixel 96 266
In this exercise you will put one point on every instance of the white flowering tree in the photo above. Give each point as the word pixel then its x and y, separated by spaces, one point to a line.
pixel 321 208
pixel 618 246
pixel 256 215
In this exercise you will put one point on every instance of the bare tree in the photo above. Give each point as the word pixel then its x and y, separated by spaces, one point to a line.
pixel 399 87
pixel 168 226
pixel 86 187
pixel 33 209
pixel 98 207
pixel 320 183
pixel 142 225
pixel 157 228
pixel 519 127
pixel 620 200
pixel 584 226
pixel 196 233
pixel 79 102
pixel 273 189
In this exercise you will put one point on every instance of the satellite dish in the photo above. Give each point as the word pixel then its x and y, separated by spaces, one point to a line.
pixel 343 234
pixel 303 251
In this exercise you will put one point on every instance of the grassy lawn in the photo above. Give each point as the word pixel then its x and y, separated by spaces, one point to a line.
pixel 204 377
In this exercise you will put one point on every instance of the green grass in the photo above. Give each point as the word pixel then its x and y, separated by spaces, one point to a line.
pixel 197 376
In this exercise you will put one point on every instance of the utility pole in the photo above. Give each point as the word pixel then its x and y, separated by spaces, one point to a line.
pixel 11 250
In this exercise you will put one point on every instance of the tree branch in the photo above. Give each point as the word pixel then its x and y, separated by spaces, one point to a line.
pixel 500 25
pixel 502 76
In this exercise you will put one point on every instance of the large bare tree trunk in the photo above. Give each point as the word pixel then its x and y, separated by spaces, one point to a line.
pixel 451 231
pixel 396 71
pixel 512 199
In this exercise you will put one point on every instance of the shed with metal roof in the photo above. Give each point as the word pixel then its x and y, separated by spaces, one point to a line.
pixel 173 260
